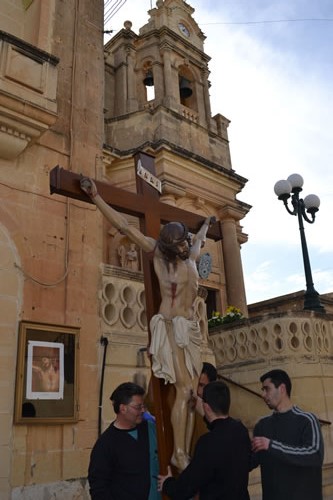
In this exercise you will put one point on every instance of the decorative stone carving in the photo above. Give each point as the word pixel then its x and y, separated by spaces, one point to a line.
pixel 205 265
pixel 122 301
pixel 128 257
pixel 28 83
pixel 302 338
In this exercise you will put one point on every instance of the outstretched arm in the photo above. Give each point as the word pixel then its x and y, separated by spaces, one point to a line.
pixel 117 219
pixel 200 238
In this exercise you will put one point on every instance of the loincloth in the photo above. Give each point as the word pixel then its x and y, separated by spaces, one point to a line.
pixel 187 336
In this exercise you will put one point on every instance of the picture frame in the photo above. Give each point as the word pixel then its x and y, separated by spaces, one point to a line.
pixel 46 374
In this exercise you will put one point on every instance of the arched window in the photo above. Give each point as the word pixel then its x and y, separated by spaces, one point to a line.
pixel 187 91
pixel 148 82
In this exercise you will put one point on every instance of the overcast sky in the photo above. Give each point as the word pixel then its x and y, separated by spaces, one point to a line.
pixel 273 80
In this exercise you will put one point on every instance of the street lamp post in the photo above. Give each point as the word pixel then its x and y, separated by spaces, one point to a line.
pixel 300 207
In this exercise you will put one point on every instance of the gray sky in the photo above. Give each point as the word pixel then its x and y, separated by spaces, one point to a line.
pixel 273 80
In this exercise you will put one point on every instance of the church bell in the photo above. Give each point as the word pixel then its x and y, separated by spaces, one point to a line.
pixel 149 79
pixel 184 88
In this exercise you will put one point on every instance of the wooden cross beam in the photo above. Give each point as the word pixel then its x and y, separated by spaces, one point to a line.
pixel 145 205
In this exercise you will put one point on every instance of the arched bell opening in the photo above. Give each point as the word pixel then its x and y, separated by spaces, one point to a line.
pixel 148 82
pixel 187 90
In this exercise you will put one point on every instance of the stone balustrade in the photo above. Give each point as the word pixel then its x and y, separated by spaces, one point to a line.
pixel 303 336
pixel 189 114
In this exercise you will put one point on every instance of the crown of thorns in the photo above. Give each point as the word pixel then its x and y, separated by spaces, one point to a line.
pixel 174 233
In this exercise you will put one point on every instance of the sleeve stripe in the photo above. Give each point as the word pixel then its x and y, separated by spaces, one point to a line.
pixel 304 450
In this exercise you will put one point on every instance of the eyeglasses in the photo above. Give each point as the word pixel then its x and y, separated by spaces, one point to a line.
pixel 138 407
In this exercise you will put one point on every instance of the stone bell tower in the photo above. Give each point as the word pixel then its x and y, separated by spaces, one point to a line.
pixel 157 100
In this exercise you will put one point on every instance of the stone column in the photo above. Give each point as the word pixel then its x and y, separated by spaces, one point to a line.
pixel 168 81
pixel 205 75
pixel 159 84
pixel 232 259
pixel 132 104
pixel 120 90
pixel 200 101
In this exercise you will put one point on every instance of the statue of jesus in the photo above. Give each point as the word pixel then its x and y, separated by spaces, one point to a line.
pixel 176 336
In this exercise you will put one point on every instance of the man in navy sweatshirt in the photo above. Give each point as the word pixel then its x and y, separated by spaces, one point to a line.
pixel 287 445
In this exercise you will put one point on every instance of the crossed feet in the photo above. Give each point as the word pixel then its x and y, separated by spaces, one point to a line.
pixel 180 459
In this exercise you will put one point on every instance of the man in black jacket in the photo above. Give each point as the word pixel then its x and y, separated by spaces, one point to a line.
pixel 287 444
pixel 220 465
pixel 124 462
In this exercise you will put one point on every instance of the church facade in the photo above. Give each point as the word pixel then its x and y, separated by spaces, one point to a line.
pixel 72 286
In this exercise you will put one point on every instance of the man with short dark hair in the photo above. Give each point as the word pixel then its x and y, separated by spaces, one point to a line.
pixel 287 444
pixel 208 374
pixel 220 465
pixel 124 462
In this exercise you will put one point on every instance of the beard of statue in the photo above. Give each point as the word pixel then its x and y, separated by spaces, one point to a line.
pixel 184 254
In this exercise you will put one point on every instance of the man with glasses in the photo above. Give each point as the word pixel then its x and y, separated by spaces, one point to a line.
pixel 124 461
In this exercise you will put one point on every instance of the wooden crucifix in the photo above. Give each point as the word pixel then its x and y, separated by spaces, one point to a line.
pixel 146 205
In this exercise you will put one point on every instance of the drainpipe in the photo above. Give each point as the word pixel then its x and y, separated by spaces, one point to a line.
pixel 139 377
pixel 104 342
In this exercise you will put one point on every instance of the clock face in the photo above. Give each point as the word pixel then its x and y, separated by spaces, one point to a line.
pixel 183 29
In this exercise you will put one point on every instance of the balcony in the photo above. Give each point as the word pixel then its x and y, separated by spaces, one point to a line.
pixel 28 85
pixel 291 337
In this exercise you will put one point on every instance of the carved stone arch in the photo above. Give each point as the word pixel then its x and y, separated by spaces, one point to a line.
pixel 119 249
pixel 192 71
pixel 146 62
pixel 185 69
pixel 145 78
pixel 187 86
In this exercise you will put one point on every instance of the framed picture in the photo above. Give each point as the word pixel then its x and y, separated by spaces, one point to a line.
pixel 47 374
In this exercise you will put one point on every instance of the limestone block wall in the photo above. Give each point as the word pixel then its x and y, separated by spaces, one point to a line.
pixel 52 71
pixel 11 292
pixel 62 490
pixel 157 123
pixel 30 20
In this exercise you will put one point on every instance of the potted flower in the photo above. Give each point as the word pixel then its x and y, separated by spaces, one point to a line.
pixel 232 314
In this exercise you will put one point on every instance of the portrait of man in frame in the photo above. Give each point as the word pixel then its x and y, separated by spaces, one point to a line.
pixel 45 370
